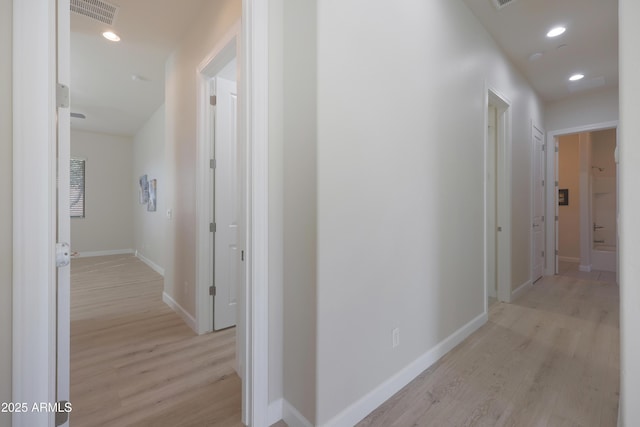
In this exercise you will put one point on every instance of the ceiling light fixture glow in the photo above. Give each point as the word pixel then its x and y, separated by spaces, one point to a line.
pixel 110 35
pixel 576 77
pixel 555 32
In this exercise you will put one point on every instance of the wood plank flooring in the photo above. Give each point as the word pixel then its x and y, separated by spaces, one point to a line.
pixel 133 360
pixel 549 359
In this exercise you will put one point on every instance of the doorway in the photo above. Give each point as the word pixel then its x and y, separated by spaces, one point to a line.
pixel 585 202
pixel 497 198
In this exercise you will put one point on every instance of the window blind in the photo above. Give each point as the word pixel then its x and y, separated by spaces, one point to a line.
pixel 76 188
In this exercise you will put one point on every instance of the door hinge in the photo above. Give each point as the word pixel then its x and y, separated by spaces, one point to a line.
pixel 542 254
pixel 544 147
pixel 499 228
pixel 212 227
pixel 62 96
pixel 212 163
pixel 556 183
pixel 556 149
pixel 556 252
pixel 543 182
pixel 557 218
pixel 542 218
pixel 213 100
pixel 242 255
pixel 212 291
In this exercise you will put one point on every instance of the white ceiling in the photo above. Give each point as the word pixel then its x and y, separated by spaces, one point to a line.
pixel 102 87
pixel 101 84
pixel 591 41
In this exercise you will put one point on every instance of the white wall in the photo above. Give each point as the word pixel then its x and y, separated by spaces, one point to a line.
pixel 401 93
pixel 629 231
pixel 569 178
pixel 582 110
pixel 6 206
pixel 108 222
pixel 300 208
pixel 148 158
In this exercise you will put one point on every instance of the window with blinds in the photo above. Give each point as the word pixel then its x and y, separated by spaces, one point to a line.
pixel 76 188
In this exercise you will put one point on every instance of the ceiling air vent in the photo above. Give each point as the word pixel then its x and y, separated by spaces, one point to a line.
pixel 97 10
pixel 499 4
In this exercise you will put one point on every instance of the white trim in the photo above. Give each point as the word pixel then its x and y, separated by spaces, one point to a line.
pixel 275 411
pixel 575 260
pixel 551 178
pixel 293 417
pixel 585 268
pixel 363 407
pixel 34 209
pixel 220 55
pixel 521 290
pixel 155 267
pixel 188 318
pixel 91 254
pixel 254 66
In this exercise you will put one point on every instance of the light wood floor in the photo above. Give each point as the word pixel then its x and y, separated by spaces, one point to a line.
pixel 549 359
pixel 133 360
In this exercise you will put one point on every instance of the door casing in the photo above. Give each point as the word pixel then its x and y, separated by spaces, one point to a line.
pixel 551 237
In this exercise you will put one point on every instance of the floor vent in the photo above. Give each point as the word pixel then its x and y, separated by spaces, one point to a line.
pixel 97 10
pixel 499 4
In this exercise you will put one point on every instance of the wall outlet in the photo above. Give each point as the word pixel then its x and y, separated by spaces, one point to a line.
pixel 395 337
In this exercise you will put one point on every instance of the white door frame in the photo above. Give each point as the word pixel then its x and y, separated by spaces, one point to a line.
pixel 552 138
pixel 503 271
pixel 34 218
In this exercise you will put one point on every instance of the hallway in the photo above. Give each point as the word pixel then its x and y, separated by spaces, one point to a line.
pixel 549 359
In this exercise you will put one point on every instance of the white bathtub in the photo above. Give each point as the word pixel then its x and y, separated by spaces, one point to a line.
pixel 604 258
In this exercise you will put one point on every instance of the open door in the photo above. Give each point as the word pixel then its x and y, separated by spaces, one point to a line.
pixel 538 224
pixel 228 255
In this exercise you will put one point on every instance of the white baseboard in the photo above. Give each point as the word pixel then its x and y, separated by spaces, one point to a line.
pixel 520 290
pixel 585 268
pixel 89 254
pixel 292 417
pixel 363 407
pixel 155 267
pixel 188 318
pixel 275 412
pixel 568 259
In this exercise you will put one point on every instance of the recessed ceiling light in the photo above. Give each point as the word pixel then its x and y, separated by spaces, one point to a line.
pixel 576 77
pixel 110 35
pixel 555 32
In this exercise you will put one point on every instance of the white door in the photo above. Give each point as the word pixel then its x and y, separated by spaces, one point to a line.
pixel 538 226
pixel 492 202
pixel 227 253
pixel 64 222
